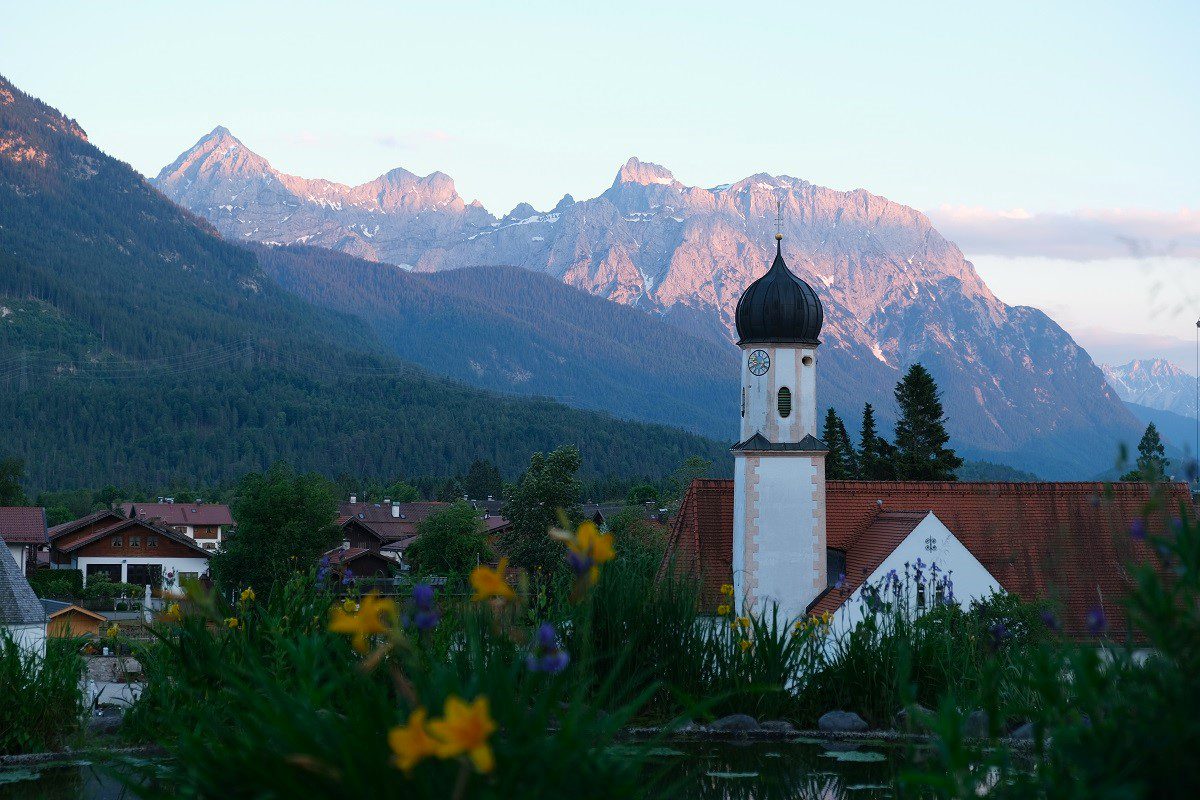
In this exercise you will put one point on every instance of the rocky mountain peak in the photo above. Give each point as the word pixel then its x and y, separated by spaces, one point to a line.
pixel 644 173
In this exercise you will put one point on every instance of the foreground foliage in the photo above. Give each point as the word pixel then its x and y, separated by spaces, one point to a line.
pixel 43 704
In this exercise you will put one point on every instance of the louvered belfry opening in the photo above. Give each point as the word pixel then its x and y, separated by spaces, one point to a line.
pixel 785 402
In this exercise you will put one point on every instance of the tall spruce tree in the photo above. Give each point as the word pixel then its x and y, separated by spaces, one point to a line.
pixel 1152 458
pixel 875 454
pixel 840 462
pixel 921 438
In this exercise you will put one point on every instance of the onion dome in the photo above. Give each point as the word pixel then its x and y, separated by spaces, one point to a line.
pixel 779 308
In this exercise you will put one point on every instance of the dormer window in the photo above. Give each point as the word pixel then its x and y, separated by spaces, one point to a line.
pixel 785 402
pixel 117 541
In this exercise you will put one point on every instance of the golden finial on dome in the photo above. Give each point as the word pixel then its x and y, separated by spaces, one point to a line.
pixel 779 237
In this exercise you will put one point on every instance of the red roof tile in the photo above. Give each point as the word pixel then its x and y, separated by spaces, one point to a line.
pixel 23 525
pixel 1066 541
pixel 181 513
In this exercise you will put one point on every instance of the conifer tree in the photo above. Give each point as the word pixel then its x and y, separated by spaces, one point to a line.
pixel 875 454
pixel 1152 458
pixel 921 438
pixel 839 464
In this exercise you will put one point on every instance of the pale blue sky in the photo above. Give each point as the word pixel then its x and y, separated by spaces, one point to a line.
pixel 1044 106
pixel 1051 108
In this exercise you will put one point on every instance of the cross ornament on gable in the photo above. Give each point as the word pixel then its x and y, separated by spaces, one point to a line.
pixel 930 544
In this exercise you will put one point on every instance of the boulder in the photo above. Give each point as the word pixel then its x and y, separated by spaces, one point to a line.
pixel 914 720
pixel 976 725
pixel 778 726
pixel 735 723
pixel 842 722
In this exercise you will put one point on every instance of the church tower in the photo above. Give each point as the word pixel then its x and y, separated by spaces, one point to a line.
pixel 779 464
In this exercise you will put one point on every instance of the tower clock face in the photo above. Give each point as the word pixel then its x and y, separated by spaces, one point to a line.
pixel 759 362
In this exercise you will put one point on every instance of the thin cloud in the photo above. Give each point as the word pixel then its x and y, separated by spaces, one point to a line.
pixel 1084 235
pixel 404 141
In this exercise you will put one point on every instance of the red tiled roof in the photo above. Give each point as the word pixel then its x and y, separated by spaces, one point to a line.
pixel 378 518
pixel 1066 541
pixel 181 513
pixel 66 527
pixel 23 525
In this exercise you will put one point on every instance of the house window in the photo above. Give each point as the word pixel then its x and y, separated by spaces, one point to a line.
pixel 113 571
pixel 920 595
pixel 117 541
pixel 835 568
pixel 785 402
pixel 145 575
pixel 151 541
pixel 135 541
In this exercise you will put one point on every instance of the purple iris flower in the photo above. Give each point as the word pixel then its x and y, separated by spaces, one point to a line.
pixel 547 655
pixel 1137 529
pixel 1096 621
pixel 1191 469
pixel 579 564
pixel 348 577
pixel 425 615
pixel 1050 621
pixel 323 568
pixel 841 580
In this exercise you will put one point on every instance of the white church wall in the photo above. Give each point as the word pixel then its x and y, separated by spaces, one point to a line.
pixel 30 638
pixel 779 532
pixel 970 579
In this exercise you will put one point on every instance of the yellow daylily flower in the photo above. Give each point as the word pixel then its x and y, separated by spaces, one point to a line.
pixel 723 610
pixel 589 548
pixel 727 588
pixel 349 606
pixel 172 614
pixel 231 622
pixel 411 742
pixel 743 622
pixel 247 594
pixel 112 631
pixel 373 615
pixel 489 583
pixel 744 644
pixel 465 729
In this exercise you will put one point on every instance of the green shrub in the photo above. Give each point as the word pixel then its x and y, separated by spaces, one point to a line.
pixel 43 702
pixel 57 583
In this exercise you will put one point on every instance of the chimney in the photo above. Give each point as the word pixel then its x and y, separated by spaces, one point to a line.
pixel 353 499
pixel 395 509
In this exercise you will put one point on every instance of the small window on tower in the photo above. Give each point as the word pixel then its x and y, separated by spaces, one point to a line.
pixel 785 402
pixel 807 361
pixel 743 401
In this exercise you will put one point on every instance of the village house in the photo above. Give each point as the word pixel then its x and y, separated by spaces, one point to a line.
pixel 23 529
pixel 128 550
pixel 782 535
pixel 21 614
pixel 205 523
pixel 375 535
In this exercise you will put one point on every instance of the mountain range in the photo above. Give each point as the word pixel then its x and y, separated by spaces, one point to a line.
pixel 1017 389
pixel 138 347
pixel 1154 383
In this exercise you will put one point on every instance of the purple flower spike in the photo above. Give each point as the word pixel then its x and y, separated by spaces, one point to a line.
pixel 1137 529
pixel 1050 621
pixel 1097 623
pixel 547 655
pixel 348 577
pixel 423 596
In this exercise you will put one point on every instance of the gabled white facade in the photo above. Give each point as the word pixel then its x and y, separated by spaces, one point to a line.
pixel 932 543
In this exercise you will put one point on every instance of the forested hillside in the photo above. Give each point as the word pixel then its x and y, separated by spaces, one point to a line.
pixel 523 332
pixel 138 347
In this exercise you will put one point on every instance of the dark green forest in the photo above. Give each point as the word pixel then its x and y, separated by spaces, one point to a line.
pixel 138 348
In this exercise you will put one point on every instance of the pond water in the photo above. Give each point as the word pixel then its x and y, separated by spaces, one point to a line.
pixel 801 769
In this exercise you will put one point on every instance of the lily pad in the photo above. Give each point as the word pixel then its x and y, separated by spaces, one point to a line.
pixel 732 775
pixel 855 755
pixel 860 787
pixel 18 775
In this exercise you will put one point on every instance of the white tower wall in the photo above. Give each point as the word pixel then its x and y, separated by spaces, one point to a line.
pixel 793 367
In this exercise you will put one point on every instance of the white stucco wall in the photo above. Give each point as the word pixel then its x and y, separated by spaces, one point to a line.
pixel 19 555
pixel 971 581
pixel 29 637
pixel 779 531
pixel 762 392
pixel 176 563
